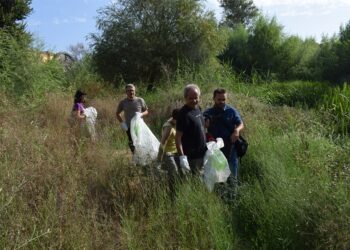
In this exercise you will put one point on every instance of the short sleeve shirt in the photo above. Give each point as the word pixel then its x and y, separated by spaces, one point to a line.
pixel 191 123
pixel 170 145
pixel 222 121
pixel 78 107
pixel 130 107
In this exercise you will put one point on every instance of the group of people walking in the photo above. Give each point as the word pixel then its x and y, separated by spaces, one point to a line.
pixel 185 134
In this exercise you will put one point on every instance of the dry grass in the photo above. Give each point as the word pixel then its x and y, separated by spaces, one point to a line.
pixel 50 179
pixel 62 191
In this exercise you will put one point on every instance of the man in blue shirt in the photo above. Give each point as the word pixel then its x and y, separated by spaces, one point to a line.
pixel 224 121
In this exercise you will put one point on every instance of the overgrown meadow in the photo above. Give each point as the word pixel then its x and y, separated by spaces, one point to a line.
pixel 66 192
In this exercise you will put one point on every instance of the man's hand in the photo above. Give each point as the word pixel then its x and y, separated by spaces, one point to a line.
pixel 138 115
pixel 184 163
pixel 124 126
pixel 234 136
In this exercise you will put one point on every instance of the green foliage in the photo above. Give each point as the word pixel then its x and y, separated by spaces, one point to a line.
pixel 344 33
pixel 326 61
pixel 140 40
pixel 343 50
pixel 265 53
pixel 83 75
pixel 337 104
pixel 22 74
pixel 297 58
pixel 237 52
pixel 293 190
pixel 289 189
pixel 238 12
pixel 264 44
pixel 296 93
pixel 12 13
pixel 257 49
pixel 195 219
pixel 333 62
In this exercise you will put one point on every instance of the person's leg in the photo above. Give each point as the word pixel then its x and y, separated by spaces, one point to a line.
pixel 196 165
pixel 170 166
pixel 233 162
pixel 131 144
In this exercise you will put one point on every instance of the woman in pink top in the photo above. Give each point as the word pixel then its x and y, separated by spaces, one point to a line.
pixel 77 115
pixel 78 107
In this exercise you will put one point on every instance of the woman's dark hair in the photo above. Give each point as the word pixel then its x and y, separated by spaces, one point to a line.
pixel 78 96
pixel 175 113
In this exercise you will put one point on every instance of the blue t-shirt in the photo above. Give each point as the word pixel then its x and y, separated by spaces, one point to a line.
pixel 222 121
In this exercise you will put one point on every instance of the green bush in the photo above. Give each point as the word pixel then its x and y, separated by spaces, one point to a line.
pixel 23 74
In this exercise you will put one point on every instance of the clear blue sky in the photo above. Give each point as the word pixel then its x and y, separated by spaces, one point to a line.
pixel 60 23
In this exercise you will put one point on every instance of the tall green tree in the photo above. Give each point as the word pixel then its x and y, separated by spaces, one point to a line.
pixel 296 59
pixel 264 43
pixel 237 53
pixel 238 12
pixel 343 52
pixel 12 14
pixel 333 60
pixel 140 39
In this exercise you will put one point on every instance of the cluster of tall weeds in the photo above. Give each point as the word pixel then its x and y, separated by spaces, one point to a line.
pixel 337 105
pixel 292 182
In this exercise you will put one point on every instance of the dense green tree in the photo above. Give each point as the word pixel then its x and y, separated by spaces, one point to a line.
pixel 237 53
pixel 333 61
pixel 343 52
pixel 296 58
pixel 264 48
pixel 256 48
pixel 140 39
pixel 264 43
pixel 326 62
pixel 238 12
pixel 344 33
pixel 13 12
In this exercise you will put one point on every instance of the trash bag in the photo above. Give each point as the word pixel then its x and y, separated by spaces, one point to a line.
pixel 91 115
pixel 146 144
pixel 216 168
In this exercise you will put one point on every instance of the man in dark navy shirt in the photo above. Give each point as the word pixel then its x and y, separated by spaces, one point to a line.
pixel 190 131
pixel 225 122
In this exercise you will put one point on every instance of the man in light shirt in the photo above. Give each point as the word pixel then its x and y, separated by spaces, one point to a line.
pixel 130 106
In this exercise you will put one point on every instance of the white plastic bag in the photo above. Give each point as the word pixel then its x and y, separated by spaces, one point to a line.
pixel 216 168
pixel 146 144
pixel 91 115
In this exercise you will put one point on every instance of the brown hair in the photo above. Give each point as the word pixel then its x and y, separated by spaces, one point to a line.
pixel 218 92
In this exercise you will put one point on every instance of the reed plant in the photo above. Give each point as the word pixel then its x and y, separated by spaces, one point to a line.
pixel 337 105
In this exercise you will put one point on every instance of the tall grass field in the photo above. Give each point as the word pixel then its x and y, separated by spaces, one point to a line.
pixel 60 191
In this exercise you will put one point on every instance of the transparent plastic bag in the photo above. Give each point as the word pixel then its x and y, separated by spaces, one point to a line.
pixel 216 168
pixel 91 116
pixel 146 144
